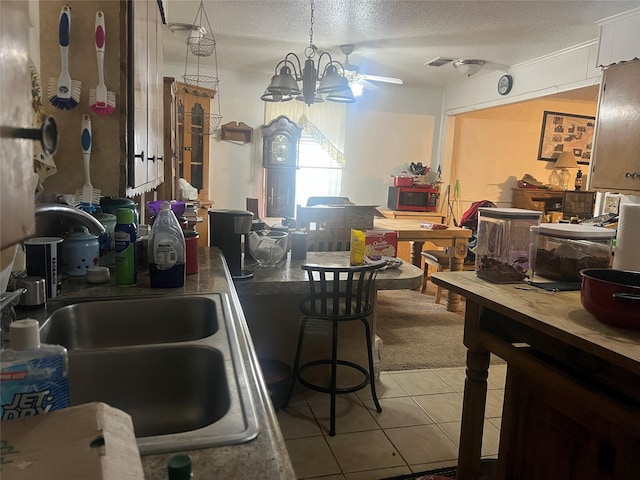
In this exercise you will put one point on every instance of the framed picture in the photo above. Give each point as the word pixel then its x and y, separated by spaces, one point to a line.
pixel 566 132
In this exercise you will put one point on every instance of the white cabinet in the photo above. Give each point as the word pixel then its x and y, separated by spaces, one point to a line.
pixel 616 155
pixel 619 38
pixel 145 156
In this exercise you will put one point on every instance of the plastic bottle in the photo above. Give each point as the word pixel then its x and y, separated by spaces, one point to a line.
pixel 34 375
pixel 166 250
pixel 126 247
pixel 179 467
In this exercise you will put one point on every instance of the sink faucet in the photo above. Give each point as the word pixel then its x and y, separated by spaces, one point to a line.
pixel 58 209
pixel 8 300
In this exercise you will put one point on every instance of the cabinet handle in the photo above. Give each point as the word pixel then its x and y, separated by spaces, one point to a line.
pixel 633 175
pixel 152 159
pixel 160 158
pixel 47 134
pixel 139 155
pixel 187 149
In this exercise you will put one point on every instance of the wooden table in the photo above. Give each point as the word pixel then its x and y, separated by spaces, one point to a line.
pixel 572 395
pixel 412 231
pixel 436 217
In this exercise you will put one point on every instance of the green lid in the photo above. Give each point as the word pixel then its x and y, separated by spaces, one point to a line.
pixel 179 467
pixel 124 215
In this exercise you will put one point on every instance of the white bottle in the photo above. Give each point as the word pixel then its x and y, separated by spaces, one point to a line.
pixel 166 250
pixel 34 376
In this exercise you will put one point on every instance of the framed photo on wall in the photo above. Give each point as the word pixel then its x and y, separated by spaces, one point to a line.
pixel 563 132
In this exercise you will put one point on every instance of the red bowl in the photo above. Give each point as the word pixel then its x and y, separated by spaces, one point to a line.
pixel 612 296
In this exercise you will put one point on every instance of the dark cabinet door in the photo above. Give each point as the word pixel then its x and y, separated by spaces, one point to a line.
pixel 281 192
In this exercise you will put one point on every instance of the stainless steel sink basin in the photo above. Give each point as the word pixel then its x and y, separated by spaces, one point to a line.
pixel 173 363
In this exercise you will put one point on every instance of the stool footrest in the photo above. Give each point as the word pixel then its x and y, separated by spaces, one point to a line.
pixel 320 388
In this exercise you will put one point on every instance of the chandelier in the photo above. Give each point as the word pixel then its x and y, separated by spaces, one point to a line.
pixel 318 84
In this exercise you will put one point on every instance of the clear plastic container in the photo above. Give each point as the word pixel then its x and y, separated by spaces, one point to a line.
pixel 559 251
pixel 502 251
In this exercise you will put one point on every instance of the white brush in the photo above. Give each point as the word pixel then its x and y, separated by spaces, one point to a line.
pixel 87 194
pixel 101 101
pixel 63 92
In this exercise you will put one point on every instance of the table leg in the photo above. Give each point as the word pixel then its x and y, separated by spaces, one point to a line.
pixel 458 254
pixel 473 408
pixel 416 250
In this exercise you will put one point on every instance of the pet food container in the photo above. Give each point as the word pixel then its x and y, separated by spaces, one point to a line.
pixel 560 250
pixel 502 251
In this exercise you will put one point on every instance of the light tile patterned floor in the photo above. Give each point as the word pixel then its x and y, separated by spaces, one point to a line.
pixel 417 430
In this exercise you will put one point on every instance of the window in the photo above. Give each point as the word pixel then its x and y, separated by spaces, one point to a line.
pixel 318 174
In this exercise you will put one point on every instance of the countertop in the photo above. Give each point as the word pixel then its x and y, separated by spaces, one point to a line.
pixel 265 456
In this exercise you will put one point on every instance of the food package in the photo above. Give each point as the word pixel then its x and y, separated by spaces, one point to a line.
pixel 372 244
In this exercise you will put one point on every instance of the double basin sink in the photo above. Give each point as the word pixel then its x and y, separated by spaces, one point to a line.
pixel 173 363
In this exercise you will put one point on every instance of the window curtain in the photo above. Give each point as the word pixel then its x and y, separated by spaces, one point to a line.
pixel 325 122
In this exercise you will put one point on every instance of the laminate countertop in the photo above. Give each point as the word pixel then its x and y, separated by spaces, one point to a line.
pixel 265 456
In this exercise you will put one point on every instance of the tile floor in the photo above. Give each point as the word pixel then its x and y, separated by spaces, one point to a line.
pixel 417 430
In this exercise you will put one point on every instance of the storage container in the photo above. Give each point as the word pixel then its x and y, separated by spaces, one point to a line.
pixel 502 251
pixel 559 251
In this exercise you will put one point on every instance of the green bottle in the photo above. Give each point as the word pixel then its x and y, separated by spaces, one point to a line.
pixel 126 248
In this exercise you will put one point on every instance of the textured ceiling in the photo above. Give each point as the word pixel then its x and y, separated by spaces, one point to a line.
pixel 392 37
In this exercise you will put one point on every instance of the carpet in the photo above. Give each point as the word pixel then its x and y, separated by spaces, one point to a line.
pixel 418 333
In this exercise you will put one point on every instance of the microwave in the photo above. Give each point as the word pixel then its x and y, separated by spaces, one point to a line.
pixel 413 199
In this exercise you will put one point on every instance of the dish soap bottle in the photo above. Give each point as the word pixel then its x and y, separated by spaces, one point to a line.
pixel 126 247
pixel 166 250
pixel 34 376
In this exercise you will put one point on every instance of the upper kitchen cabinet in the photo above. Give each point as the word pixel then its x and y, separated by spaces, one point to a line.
pixel 616 155
pixel 17 180
pixel 619 38
pixel 127 145
pixel 145 157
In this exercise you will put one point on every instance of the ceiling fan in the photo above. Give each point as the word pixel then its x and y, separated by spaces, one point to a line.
pixel 353 75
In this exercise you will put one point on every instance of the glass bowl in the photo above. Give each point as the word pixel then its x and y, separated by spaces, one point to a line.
pixel 268 247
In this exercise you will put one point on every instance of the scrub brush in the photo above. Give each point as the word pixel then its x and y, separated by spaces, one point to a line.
pixel 101 101
pixel 87 195
pixel 64 93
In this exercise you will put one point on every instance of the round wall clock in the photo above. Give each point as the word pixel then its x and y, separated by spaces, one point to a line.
pixel 504 84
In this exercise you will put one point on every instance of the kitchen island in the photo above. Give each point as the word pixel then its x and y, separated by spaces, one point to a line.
pixel 572 395
pixel 263 457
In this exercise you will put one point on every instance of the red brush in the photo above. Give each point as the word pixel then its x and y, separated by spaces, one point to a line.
pixel 101 101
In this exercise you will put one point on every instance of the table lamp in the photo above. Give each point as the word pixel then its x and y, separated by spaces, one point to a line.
pixel 565 161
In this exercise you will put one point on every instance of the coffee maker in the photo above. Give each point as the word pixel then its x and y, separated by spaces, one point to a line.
pixel 226 228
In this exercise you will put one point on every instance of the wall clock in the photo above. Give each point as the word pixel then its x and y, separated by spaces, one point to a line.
pixel 280 143
pixel 504 84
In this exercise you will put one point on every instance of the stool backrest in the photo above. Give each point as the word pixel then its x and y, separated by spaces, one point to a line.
pixel 345 292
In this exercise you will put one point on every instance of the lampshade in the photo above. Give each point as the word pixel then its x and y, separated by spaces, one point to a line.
pixel 468 67
pixel 566 160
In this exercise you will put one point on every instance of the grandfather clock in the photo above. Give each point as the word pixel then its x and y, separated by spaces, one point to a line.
pixel 280 140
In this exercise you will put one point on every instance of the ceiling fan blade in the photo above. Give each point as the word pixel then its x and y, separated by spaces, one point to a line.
pixel 378 78
pixel 366 84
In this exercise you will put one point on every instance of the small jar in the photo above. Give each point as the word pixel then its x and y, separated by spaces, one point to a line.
pixel 191 245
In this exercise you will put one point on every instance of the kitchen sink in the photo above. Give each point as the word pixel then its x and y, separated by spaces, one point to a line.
pixel 173 363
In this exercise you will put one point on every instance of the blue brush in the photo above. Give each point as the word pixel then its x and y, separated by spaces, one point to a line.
pixel 64 93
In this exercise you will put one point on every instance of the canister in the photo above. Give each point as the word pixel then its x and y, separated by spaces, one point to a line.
pixel 105 240
pixel 80 250
pixel 502 251
pixel 191 245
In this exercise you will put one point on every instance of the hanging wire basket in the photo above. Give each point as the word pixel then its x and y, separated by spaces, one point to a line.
pixel 201 46
pixel 201 85
pixel 201 124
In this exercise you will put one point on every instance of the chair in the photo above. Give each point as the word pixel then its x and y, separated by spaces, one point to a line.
pixel 337 295
pixel 440 260
pixel 329 228
pixel 313 201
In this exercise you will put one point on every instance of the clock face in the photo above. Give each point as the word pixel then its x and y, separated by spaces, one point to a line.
pixel 504 84
pixel 280 149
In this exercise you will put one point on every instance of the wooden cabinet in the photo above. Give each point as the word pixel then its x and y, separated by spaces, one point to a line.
pixel 145 152
pixel 280 142
pixel 17 180
pixel 569 432
pixel 169 190
pixel 194 111
pixel 616 155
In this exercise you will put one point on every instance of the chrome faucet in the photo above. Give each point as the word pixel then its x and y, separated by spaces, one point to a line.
pixel 58 209
pixel 8 300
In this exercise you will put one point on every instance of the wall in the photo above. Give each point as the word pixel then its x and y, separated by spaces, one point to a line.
pixel 495 147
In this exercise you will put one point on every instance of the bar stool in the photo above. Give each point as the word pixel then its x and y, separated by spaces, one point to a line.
pixel 337 295
pixel 440 260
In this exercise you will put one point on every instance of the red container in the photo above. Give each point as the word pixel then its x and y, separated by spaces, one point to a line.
pixel 191 243
pixel 612 296
pixel 402 181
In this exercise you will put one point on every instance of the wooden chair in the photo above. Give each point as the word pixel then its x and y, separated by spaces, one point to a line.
pixel 326 228
pixel 440 260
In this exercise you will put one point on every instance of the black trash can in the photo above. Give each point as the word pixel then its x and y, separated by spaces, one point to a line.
pixel 277 376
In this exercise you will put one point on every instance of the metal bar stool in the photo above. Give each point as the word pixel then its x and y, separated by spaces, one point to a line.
pixel 336 295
